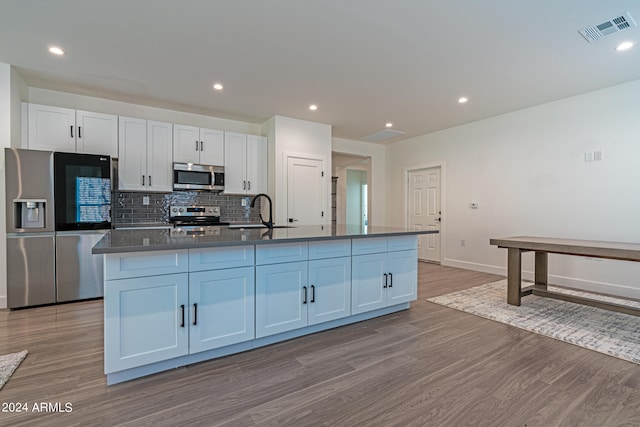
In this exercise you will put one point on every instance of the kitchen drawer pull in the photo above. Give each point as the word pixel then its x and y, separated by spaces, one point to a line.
pixel 201 146
pixel 390 280
pixel 386 277
pixel 142 179
pixel 195 314
pixel 313 293
pixel 79 131
pixel 248 185
pixel 244 185
pixel 71 127
pixel 304 289
pixel 182 322
pixel 149 180
pixel 196 145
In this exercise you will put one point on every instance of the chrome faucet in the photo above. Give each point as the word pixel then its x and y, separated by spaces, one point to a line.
pixel 268 224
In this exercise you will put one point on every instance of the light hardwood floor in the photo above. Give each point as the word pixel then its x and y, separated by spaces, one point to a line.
pixel 429 365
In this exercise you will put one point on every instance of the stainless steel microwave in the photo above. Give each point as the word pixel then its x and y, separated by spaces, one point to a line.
pixel 189 176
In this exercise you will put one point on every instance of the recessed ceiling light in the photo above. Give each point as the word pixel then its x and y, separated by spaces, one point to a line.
pixel 463 100
pixel 624 46
pixel 389 125
pixel 313 107
pixel 218 86
pixel 56 50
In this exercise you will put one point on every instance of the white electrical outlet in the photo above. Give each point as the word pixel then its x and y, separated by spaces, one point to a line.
pixel 244 201
pixel 597 156
pixel 588 156
pixel 145 200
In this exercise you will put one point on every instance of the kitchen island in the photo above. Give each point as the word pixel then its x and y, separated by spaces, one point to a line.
pixel 174 299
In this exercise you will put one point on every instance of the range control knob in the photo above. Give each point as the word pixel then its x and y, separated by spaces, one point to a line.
pixel 181 209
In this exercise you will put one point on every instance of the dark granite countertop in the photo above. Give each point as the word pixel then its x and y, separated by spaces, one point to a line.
pixel 138 240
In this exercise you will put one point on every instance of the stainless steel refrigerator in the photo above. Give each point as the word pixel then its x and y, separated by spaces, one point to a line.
pixel 49 244
pixel 31 242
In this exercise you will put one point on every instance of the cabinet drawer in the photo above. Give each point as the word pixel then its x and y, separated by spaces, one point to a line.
pixel 140 264
pixel 219 258
pixel 283 252
pixel 329 249
pixel 402 243
pixel 369 245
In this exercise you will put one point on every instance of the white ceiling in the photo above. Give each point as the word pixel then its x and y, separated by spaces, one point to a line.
pixel 363 62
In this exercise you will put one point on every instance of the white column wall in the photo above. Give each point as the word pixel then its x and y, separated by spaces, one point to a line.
pixel 526 170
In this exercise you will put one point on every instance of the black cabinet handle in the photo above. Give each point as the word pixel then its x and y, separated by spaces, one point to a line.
pixel 142 179
pixel 149 180
pixel 182 322
pixel 304 289
pixel 313 293
pixel 71 127
pixel 201 147
pixel 244 185
pixel 248 185
pixel 79 132
pixel 385 280
pixel 390 280
pixel 196 145
pixel 195 314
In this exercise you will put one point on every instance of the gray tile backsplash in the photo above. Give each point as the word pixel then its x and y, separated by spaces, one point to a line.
pixel 129 209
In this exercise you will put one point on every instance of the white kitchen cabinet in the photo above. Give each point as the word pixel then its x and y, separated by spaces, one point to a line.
pixel 145 320
pixel 221 305
pixel 145 162
pixel 387 277
pixel 69 130
pixel 329 289
pixel 292 295
pixel 198 145
pixel 245 162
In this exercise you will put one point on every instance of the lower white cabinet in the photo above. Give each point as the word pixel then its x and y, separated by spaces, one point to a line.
pixel 384 278
pixel 221 308
pixel 297 294
pixel 145 320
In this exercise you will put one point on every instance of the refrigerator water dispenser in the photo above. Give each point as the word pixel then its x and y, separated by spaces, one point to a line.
pixel 30 213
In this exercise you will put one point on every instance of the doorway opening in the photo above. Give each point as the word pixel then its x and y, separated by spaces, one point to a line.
pixel 352 180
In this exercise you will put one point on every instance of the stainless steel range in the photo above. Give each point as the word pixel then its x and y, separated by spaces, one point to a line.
pixel 195 220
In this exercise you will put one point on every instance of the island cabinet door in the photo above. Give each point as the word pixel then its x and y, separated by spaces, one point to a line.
pixel 282 297
pixel 403 277
pixel 145 320
pixel 368 282
pixel 221 305
pixel 329 289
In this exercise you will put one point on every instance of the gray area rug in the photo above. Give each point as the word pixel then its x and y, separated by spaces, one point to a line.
pixel 8 364
pixel 608 332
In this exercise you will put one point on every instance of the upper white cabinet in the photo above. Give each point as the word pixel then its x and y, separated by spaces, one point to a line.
pixel 198 145
pixel 65 129
pixel 145 162
pixel 245 163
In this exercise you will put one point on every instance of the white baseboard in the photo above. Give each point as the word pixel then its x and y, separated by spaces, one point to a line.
pixel 570 282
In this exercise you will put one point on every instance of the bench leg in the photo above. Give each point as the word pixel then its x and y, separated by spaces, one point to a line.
pixel 541 269
pixel 514 275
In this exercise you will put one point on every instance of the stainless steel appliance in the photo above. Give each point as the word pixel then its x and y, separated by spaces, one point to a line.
pixel 195 220
pixel 30 227
pixel 82 194
pixel 49 244
pixel 189 176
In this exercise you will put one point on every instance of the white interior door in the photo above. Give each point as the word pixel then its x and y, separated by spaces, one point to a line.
pixel 305 191
pixel 425 211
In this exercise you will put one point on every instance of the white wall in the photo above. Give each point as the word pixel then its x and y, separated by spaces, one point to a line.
pixel 526 170
pixel 294 136
pixel 377 153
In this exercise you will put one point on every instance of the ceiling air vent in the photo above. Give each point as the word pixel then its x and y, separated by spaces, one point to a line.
pixel 619 23
pixel 382 135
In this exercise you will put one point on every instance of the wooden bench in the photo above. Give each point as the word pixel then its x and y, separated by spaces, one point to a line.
pixel 542 246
